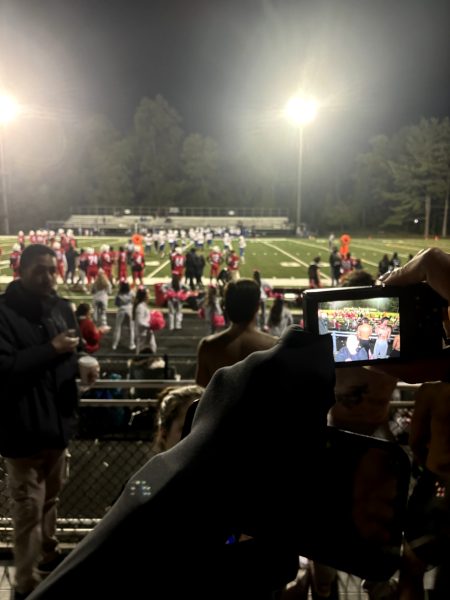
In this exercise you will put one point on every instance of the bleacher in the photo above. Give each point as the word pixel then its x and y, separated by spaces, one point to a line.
pixel 108 220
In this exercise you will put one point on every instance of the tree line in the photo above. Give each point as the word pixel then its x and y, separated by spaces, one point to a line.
pixel 401 183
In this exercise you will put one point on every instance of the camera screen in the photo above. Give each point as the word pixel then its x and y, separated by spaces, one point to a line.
pixel 362 329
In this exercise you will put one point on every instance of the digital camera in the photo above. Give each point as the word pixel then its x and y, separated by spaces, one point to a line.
pixel 369 324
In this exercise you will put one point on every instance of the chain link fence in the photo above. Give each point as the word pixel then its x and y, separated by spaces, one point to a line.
pixel 114 440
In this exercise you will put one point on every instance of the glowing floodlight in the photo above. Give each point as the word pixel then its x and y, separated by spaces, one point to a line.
pixel 301 110
pixel 9 109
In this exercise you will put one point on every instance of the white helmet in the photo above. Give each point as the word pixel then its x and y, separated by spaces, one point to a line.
pixel 16 247
pixel 56 245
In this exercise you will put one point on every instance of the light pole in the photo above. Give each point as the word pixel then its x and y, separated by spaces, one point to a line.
pixel 300 110
pixel 9 109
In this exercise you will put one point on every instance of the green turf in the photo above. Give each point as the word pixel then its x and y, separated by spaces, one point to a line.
pixel 274 257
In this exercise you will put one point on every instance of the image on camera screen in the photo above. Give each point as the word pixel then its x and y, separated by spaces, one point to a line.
pixel 362 329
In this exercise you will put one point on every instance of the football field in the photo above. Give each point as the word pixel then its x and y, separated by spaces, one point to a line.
pixel 281 261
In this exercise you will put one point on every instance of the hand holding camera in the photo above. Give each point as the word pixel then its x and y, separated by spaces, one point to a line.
pixel 367 322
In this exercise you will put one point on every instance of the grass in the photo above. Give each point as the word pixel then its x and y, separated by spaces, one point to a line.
pixel 276 258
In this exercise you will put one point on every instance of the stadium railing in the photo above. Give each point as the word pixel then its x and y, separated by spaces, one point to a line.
pixel 113 441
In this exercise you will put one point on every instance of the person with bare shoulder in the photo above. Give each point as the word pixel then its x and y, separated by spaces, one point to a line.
pixel 240 339
pixel 427 529
pixel 363 333
pixel 430 428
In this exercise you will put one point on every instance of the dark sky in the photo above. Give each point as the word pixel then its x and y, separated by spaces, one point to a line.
pixel 228 66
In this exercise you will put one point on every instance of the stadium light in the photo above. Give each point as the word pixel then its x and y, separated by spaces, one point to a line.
pixel 9 109
pixel 300 110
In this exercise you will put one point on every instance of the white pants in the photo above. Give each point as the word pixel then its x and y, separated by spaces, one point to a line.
pixel 175 314
pixel 121 315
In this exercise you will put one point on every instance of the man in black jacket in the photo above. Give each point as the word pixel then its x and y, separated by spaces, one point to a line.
pixel 38 369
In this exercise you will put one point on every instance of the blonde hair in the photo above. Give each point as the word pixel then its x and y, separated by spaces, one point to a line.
pixel 173 401
pixel 101 282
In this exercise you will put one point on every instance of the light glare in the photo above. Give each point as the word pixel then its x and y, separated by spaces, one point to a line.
pixel 301 110
pixel 9 109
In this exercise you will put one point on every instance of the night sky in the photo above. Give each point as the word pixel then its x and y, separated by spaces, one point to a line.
pixel 229 66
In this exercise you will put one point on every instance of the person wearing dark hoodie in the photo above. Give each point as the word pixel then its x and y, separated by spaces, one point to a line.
pixel 39 339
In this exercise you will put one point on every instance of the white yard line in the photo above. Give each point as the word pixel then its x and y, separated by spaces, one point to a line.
pixel 295 258
pixel 161 266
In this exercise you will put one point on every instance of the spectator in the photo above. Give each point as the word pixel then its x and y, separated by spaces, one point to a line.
pixel 351 351
pixel 395 352
pixel 357 278
pixel 280 317
pixel 174 402
pixel 90 333
pixel 363 333
pixel 263 288
pixel 211 309
pixel 175 294
pixel 428 525
pixel 124 304
pixel 362 406
pixel 383 332
pixel 173 405
pixel 38 366
pixel 101 288
pixel 240 339
pixel 144 336
pixel 323 323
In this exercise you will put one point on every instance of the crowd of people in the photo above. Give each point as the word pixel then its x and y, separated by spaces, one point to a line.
pixel 119 276
pixel 41 337
pixel 189 253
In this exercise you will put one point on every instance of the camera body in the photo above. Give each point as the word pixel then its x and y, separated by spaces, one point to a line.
pixel 368 322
